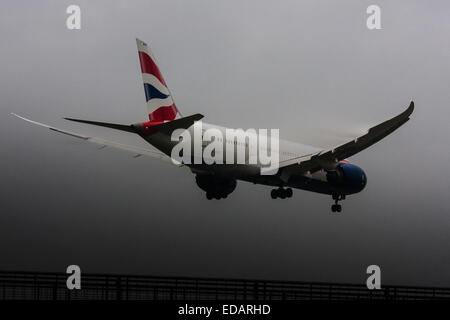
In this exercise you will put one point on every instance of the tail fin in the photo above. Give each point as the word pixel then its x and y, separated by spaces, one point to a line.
pixel 160 104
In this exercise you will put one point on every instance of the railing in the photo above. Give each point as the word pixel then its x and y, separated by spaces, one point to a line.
pixel 52 286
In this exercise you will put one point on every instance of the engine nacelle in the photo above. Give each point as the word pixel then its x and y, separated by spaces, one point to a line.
pixel 347 177
pixel 215 187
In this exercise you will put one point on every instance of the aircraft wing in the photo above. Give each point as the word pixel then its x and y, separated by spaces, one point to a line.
pixel 328 159
pixel 137 151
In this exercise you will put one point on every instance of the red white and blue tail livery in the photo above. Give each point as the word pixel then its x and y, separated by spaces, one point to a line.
pixel 160 104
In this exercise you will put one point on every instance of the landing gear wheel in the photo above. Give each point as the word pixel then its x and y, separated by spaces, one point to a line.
pixel 281 193
pixel 274 193
pixel 209 196
pixel 336 207
pixel 289 192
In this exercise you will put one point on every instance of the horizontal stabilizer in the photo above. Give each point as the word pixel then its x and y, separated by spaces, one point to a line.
pixel 122 127
pixel 182 123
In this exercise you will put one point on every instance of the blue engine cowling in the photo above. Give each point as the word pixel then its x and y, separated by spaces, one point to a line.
pixel 348 178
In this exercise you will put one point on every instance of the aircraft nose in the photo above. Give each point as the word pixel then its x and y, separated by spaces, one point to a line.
pixel 354 178
pixel 363 179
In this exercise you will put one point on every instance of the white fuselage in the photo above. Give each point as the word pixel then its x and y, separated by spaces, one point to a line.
pixel 286 151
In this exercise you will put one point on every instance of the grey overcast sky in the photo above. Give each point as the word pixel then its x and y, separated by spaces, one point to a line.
pixel 310 68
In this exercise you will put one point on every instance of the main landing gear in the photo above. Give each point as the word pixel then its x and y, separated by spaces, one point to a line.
pixel 216 195
pixel 281 193
pixel 337 207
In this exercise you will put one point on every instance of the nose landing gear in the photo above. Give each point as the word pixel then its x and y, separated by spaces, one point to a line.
pixel 337 207
pixel 281 193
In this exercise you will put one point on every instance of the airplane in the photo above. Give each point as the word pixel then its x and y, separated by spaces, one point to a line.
pixel 325 171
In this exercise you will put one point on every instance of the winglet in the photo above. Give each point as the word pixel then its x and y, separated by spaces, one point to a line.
pixel 392 124
pixel 410 109
pixel 31 121
pixel 70 133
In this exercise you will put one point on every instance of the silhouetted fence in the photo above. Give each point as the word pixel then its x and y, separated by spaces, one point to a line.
pixel 52 286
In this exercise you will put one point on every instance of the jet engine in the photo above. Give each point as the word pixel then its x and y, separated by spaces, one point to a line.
pixel 347 177
pixel 215 187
